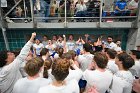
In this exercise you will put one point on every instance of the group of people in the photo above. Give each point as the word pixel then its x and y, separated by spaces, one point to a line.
pixel 74 8
pixel 102 71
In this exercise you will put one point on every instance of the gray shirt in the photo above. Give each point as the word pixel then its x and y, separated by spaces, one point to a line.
pixel 25 85
pixel 9 74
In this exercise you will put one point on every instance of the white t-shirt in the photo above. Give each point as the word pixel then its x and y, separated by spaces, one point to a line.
pixel 81 7
pixel 118 49
pixel 60 44
pixel 51 48
pixel 38 48
pixel 25 85
pixel 69 87
pixel 112 66
pixel 112 45
pixel 84 61
pixel 136 67
pixel 79 46
pixel 101 80
pixel 122 82
pixel 133 4
pixel 73 74
pixel 70 45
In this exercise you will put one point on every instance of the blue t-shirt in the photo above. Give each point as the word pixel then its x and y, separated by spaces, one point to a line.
pixel 121 4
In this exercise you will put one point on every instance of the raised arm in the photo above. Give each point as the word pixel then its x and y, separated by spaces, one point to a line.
pixel 25 50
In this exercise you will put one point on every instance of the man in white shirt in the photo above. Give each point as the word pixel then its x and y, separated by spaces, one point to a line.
pixel 9 66
pixel 33 81
pixel 111 44
pixel 111 61
pixel 85 59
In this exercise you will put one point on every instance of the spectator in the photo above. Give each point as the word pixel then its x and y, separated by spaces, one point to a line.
pixel 60 70
pixel 81 10
pixel 45 40
pixel 123 79
pixel 121 8
pixel 111 54
pixel 100 77
pixel 133 6
pixel 9 66
pixel 37 46
pixel 138 47
pixel 53 8
pixel 136 56
pixel 33 82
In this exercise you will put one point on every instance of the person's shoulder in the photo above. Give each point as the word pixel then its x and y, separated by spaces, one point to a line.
pixel 44 89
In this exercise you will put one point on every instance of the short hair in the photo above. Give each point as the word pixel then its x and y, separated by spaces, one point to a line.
pixel 33 66
pixel 3 57
pixel 87 47
pixel 110 37
pixel 101 60
pixel 60 69
pixel 44 51
pixel 72 53
pixel 67 56
pixel 127 60
pixel 112 53
pixel 136 53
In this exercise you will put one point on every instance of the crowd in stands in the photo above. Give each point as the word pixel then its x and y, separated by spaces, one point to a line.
pixel 68 66
pixel 74 8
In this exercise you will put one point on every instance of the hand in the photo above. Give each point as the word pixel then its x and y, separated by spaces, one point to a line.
pixel 32 37
pixel 136 85
pixel 86 35
pixel 64 36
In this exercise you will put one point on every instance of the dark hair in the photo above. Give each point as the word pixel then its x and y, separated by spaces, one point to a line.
pixel 60 69
pixel 16 52
pixel 60 52
pixel 44 51
pixel 33 66
pixel 3 57
pixel 87 47
pixel 45 36
pixel 47 66
pixel 127 60
pixel 101 60
pixel 110 37
pixel 136 53
pixel 112 53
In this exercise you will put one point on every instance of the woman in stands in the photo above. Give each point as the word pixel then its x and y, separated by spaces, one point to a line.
pixel 100 78
pixel 123 79
pixel 60 70
pixel 33 82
